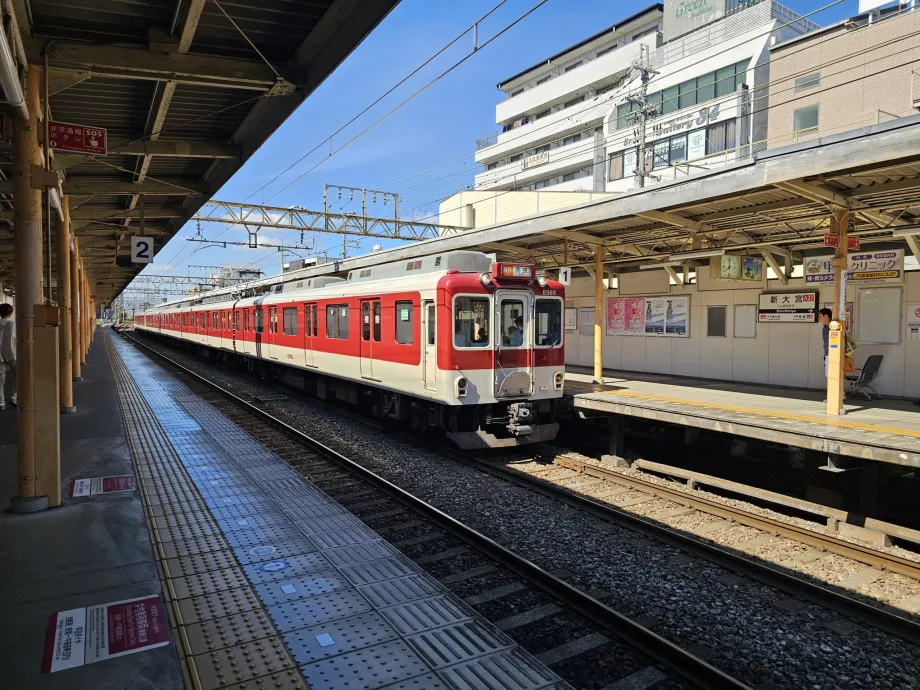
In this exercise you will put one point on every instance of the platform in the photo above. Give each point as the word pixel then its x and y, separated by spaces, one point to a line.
pixel 266 581
pixel 882 431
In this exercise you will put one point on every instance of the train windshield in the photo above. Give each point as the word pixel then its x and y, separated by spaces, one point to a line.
pixel 549 322
pixel 471 321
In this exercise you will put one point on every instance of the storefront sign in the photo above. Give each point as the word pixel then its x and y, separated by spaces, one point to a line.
pixel 788 307
pixel 536 160
pixel 96 633
pixel 864 268
pixel 696 145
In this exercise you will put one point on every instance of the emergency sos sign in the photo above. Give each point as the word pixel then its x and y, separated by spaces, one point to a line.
pixel 141 250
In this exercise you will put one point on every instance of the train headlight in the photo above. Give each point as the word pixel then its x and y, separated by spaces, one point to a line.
pixel 558 380
pixel 462 386
pixel 485 278
pixel 542 281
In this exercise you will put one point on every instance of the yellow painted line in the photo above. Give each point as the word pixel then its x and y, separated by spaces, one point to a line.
pixel 827 421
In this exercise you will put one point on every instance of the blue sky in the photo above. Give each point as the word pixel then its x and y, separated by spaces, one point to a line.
pixel 438 126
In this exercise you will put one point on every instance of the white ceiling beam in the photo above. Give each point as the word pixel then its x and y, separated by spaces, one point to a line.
pixel 771 261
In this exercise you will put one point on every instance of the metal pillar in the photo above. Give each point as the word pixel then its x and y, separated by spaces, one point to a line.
pixel 598 314
pixel 75 328
pixel 63 290
pixel 835 376
pixel 27 219
pixel 84 310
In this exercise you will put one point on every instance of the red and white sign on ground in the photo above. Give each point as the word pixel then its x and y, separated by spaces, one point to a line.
pixel 66 136
pixel 101 485
pixel 96 633
pixel 831 240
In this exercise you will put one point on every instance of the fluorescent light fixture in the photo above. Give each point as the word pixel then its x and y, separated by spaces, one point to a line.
pixel 703 254
pixel 662 265
pixel 903 232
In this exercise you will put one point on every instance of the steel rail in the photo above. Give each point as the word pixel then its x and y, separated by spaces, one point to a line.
pixel 683 662
pixel 722 556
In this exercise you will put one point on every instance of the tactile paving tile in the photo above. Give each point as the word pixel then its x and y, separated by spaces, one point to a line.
pixel 429 681
pixel 344 537
pixel 400 590
pixel 335 522
pixel 183 531
pixel 251 522
pixel 459 642
pixel 426 614
pixel 216 633
pixel 335 637
pixel 285 567
pixel 204 583
pixel 289 679
pixel 325 607
pixel 508 670
pixel 200 544
pixel 358 553
pixel 242 662
pixel 304 512
pixel 264 535
pixel 372 667
pixel 293 588
pixel 375 571
pixel 272 551
pixel 200 563
pixel 218 605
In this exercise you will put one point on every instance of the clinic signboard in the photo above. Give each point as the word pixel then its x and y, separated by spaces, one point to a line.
pixel 788 307
pixel 881 267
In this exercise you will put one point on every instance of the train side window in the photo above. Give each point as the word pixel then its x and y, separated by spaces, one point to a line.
pixel 290 320
pixel 376 315
pixel 245 319
pixel 315 321
pixel 431 323
pixel 404 323
pixel 337 321
pixel 471 321
pixel 548 323
pixel 258 320
pixel 366 321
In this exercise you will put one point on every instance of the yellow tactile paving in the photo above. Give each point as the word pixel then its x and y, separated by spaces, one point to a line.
pixel 827 421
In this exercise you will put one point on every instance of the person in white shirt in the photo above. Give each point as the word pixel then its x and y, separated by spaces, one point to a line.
pixel 7 355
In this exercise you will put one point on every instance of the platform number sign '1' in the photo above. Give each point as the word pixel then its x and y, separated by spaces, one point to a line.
pixel 141 250
pixel 565 275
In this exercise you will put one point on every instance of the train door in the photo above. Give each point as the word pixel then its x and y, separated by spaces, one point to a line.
pixel 429 349
pixel 258 325
pixel 234 326
pixel 309 333
pixel 370 334
pixel 273 332
pixel 513 364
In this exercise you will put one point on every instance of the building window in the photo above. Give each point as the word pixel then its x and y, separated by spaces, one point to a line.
pixel 545 79
pixel 604 89
pixel 604 51
pixel 574 101
pixel 540 116
pixel 542 184
pixel 805 118
pixel 660 154
pixel 290 320
pixel 404 323
pixel 639 35
pixel 337 321
pixel 808 81
pixel 573 66
pixel 571 140
pixel 615 166
pixel 670 100
pixel 541 149
pixel 678 152
pixel 516 157
pixel 687 91
pixel 517 93
pixel 715 322
pixel 492 166
pixel 720 137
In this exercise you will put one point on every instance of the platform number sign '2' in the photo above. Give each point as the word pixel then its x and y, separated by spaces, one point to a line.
pixel 141 250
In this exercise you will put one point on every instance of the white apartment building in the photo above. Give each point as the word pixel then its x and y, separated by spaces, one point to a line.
pixel 567 123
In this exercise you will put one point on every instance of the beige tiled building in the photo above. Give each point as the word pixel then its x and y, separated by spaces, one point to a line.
pixel 859 72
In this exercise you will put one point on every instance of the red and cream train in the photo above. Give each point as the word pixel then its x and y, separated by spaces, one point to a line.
pixel 450 341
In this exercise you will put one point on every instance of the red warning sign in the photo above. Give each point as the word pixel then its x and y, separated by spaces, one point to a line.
pixel 101 485
pixel 66 136
pixel 96 633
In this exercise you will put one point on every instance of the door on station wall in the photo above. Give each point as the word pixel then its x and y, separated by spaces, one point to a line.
pixel 310 330
pixel 370 335
pixel 429 347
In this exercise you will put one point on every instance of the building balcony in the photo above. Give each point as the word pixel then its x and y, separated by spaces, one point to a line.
pixel 569 84
pixel 555 161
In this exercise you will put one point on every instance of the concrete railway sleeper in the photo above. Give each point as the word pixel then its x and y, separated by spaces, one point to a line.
pixel 584 640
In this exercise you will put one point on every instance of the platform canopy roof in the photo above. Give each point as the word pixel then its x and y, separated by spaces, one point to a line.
pixel 775 204
pixel 184 96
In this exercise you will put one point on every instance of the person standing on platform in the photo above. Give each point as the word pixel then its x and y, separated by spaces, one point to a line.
pixel 825 316
pixel 7 355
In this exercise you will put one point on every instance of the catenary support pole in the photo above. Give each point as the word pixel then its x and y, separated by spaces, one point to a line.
pixel 27 219
pixel 75 306
pixel 64 297
pixel 598 314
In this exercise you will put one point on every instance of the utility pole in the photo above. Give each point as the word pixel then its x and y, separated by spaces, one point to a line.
pixel 641 66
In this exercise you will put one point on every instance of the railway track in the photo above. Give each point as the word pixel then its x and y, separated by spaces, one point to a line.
pixel 584 640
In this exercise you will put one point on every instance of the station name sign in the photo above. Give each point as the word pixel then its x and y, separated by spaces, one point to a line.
pixel 788 307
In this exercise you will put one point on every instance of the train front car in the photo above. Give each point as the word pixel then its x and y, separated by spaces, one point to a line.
pixel 505 354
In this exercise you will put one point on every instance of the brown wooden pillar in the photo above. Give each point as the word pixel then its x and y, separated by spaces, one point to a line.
pixel 64 295
pixel 27 219
pixel 84 308
pixel 75 326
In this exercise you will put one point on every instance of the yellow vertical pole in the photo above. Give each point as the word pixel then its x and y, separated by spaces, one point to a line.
pixel 27 237
pixel 65 357
pixel 75 325
pixel 84 308
pixel 598 314
pixel 837 339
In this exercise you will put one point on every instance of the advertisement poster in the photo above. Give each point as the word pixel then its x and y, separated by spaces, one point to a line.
pixel 864 268
pixel 752 269
pixel 626 316
pixel 666 316
pixel 101 485
pixel 96 633
pixel 788 307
